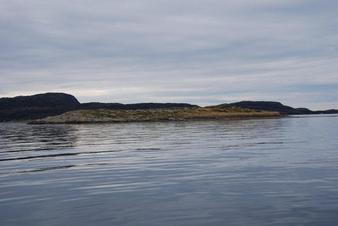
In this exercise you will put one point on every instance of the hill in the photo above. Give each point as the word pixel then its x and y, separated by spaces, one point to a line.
pixel 36 106
pixel 272 106
pixel 138 106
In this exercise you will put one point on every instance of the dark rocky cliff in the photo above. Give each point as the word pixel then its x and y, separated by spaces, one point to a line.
pixel 36 106
pixel 272 106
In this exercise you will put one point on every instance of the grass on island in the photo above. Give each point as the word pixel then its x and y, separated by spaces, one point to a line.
pixel 177 114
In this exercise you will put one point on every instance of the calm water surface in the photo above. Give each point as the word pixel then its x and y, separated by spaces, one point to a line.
pixel 235 172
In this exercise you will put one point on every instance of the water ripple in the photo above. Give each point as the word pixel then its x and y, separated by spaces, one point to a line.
pixel 235 172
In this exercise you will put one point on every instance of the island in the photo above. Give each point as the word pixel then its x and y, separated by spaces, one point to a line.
pixel 59 108
pixel 146 115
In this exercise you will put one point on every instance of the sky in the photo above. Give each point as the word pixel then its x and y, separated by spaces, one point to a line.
pixel 198 51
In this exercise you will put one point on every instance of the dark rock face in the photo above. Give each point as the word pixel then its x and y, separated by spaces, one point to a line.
pixel 36 106
pixel 272 106
pixel 40 100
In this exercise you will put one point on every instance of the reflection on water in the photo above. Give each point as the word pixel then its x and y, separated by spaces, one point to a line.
pixel 233 172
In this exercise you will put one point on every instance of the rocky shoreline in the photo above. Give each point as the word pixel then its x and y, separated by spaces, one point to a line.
pixel 181 114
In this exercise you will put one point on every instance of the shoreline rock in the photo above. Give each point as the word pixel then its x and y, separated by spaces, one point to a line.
pixel 152 115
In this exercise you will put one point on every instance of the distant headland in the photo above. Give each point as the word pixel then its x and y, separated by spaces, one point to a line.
pixel 65 108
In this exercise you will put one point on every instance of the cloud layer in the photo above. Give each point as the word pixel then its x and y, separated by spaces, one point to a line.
pixel 197 51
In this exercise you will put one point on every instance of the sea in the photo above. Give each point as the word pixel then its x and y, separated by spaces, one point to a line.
pixel 255 172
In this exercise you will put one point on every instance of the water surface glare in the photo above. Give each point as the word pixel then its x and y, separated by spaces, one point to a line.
pixel 281 171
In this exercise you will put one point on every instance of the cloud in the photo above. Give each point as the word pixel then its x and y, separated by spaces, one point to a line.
pixel 160 50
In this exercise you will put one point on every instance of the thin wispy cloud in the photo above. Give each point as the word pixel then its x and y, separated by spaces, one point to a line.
pixel 203 52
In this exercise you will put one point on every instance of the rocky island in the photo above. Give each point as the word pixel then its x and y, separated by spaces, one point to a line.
pixel 59 108
pixel 144 115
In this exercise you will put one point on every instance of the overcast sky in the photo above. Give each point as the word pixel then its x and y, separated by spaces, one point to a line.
pixel 197 51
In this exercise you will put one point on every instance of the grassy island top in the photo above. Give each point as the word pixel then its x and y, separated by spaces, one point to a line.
pixel 176 114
